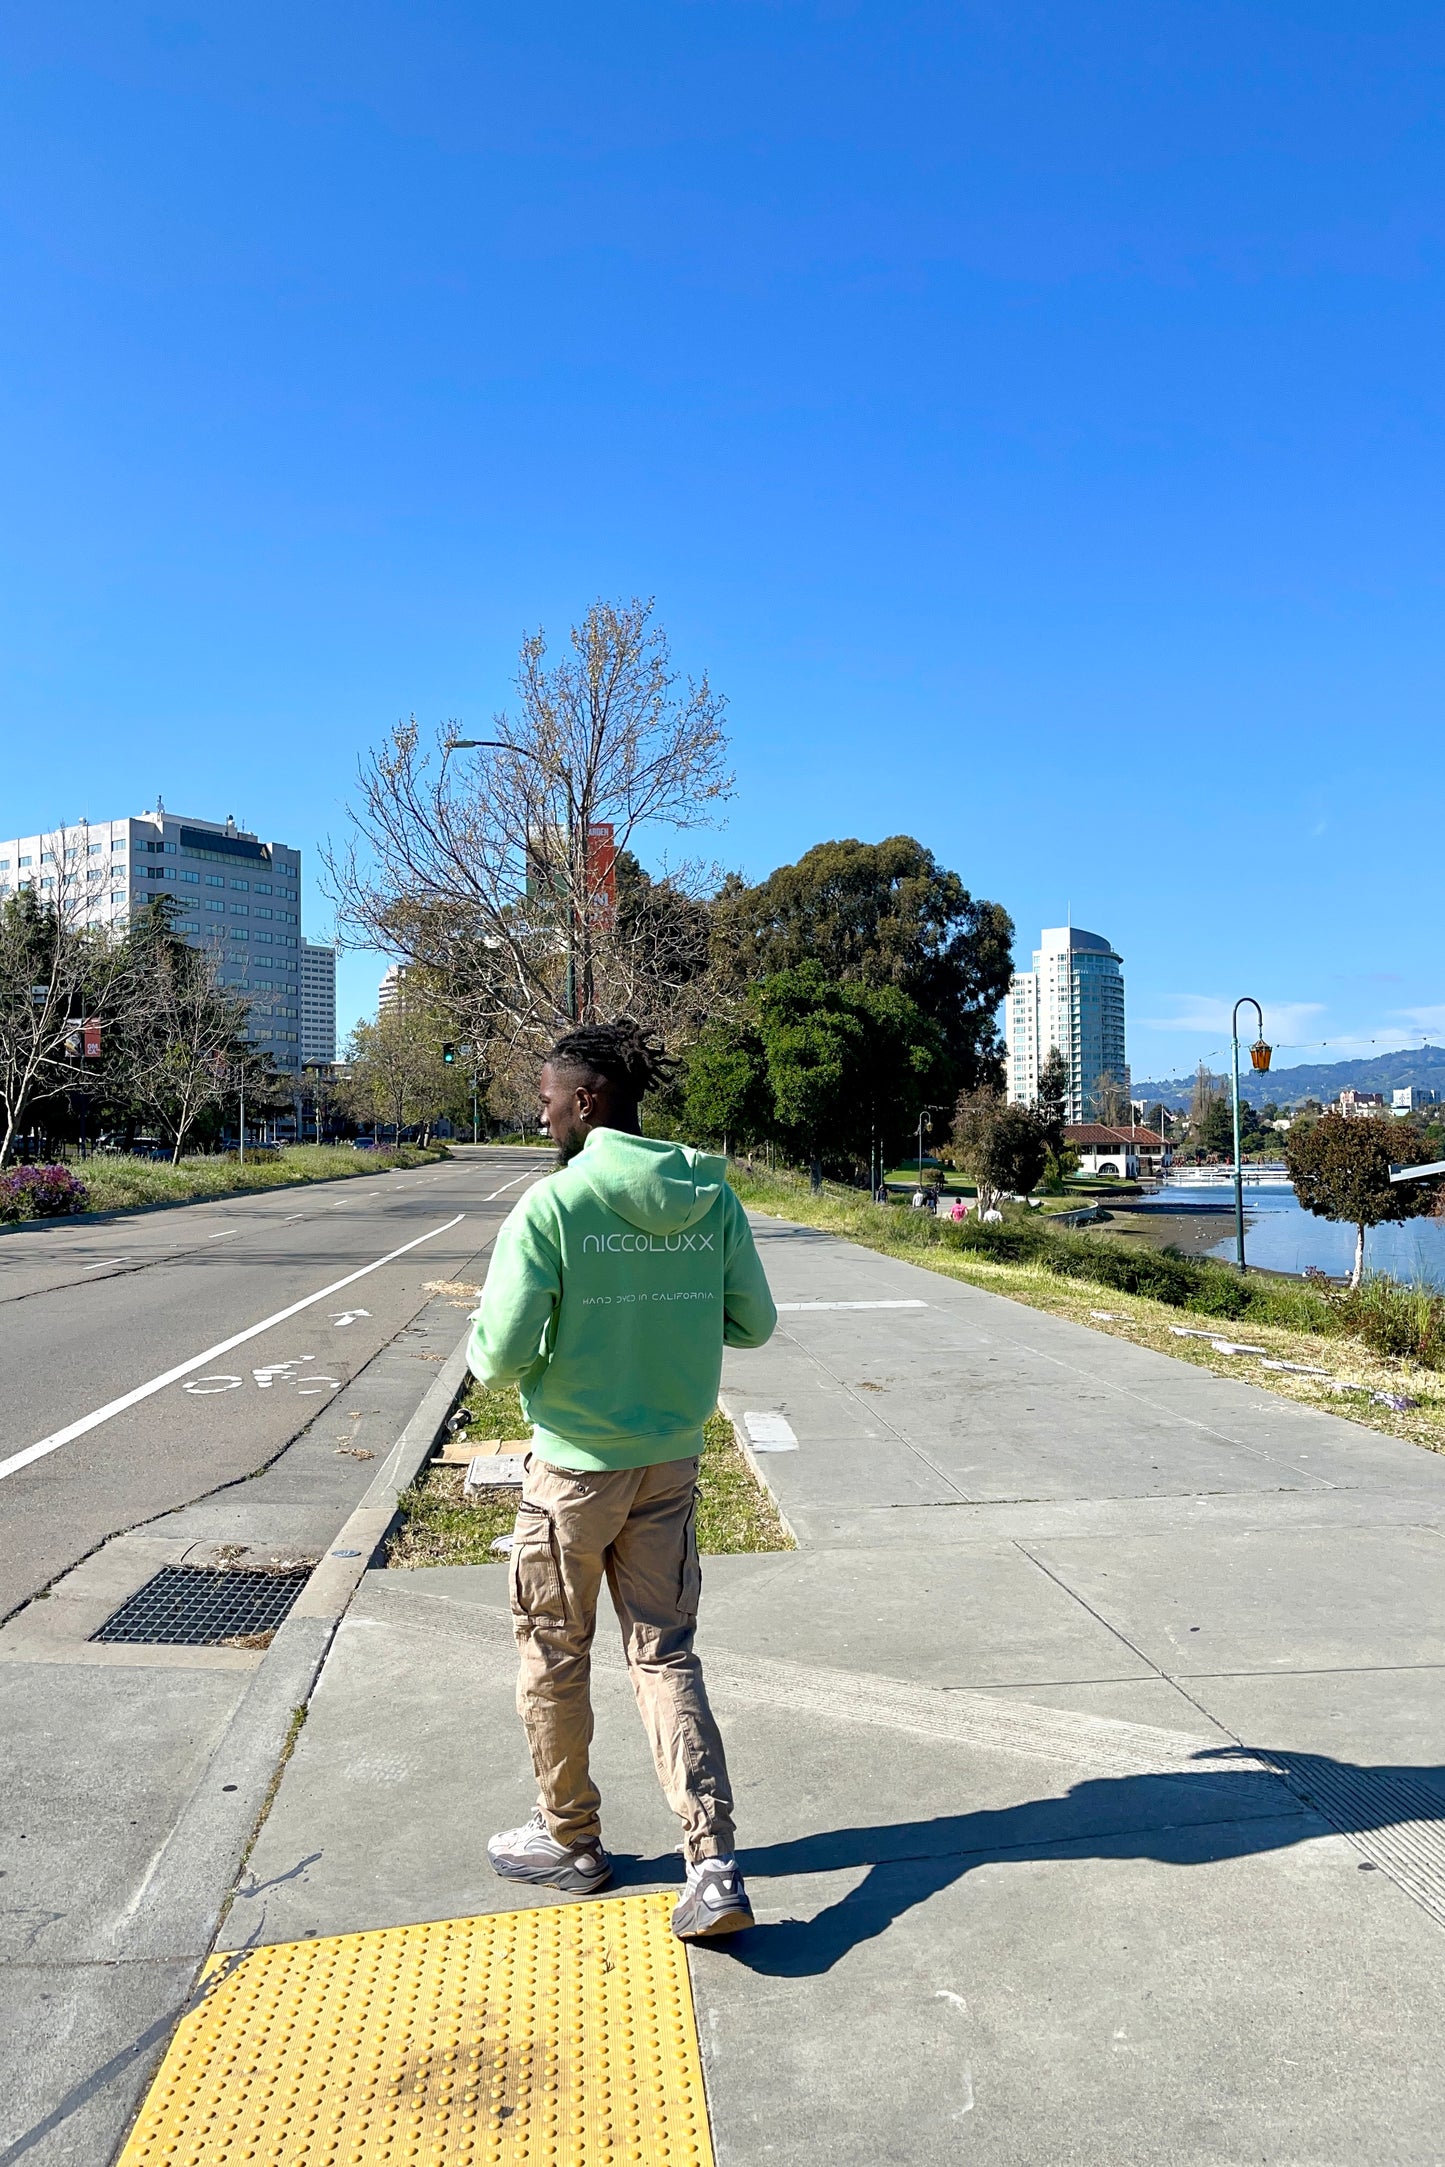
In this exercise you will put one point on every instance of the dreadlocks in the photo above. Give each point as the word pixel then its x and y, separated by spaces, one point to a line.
pixel 622 1054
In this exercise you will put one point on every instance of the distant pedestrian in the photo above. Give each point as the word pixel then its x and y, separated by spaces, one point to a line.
pixel 613 1289
pixel 880 1194
pixel 919 1200
pixel 959 1211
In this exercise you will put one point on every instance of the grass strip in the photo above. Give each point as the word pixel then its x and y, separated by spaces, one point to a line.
pixel 114 1181
pixel 1096 1283
pixel 440 1526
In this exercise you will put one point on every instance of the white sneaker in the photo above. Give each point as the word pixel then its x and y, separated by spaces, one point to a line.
pixel 532 1853
pixel 714 1902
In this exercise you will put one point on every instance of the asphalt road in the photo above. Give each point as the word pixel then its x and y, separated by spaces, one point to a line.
pixel 96 1432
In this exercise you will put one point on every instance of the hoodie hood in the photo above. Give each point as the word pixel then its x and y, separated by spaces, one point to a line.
pixel 658 1187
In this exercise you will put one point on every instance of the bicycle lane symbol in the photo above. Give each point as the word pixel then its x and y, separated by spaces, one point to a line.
pixel 307 1384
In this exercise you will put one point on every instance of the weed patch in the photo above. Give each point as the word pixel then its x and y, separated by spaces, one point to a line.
pixel 441 1526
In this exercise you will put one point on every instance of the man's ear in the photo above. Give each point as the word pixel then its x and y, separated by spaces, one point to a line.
pixel 586 1102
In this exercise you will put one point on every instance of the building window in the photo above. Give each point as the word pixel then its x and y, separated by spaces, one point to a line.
pixel 239 909
pixel 215 880
pixel 186 874
pixel 214 906
pixel 93 850
pixel 242 884
pixel 47 857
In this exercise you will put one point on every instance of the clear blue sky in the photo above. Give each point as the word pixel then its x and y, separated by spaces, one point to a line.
pixel 1030 415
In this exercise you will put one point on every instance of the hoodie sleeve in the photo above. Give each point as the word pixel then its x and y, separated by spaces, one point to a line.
pixel 519 1300
pixel 748 1312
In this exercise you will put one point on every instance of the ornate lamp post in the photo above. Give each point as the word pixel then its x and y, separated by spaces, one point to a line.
pixel 1259 1055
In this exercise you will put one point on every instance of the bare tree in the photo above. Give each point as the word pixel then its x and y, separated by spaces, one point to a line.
pixel 1110 1099
pixel 182 1035
pixel 497 862
pixel 57 970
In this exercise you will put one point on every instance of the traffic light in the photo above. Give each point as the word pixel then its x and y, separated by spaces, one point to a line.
pixel 449 1054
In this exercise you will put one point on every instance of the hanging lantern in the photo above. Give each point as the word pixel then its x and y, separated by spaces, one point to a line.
pixel 1260 1054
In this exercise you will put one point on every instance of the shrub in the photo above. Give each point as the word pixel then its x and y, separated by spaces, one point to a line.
pixel 1405 1322
pixel 40 1192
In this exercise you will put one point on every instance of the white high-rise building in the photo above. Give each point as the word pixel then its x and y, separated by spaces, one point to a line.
pixel 318 1004
pixel 1072 999
pixel 392 989
pixel 232 892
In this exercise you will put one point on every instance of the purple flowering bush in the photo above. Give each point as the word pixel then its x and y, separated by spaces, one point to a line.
pixel 40 1192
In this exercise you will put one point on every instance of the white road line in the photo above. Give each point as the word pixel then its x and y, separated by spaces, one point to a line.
pixel 100 1267
pixel 858 1305
pixel 18 1460
pixel 229 1235
pixel 506 1185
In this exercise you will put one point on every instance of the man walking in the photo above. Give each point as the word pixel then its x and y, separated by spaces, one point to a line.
pixel 613 1288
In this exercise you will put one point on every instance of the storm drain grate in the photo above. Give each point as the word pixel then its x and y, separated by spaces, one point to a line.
pixel 198 1606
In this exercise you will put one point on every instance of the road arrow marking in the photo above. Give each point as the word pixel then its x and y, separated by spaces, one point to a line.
pixel 349 1316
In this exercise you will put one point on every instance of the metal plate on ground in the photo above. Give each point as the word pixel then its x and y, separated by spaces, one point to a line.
pixel 563 2035
pixel 769 1431
pixel 201 1606
pixel 497 1471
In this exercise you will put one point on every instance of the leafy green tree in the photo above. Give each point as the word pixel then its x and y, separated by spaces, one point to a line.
pixel 394 1070
pixel 827 1071
pixel 879 914
pixel 1002 1146
pixel 1340 1167
pixel 1215 1129
pixel 723 1088
pixel 1052 1101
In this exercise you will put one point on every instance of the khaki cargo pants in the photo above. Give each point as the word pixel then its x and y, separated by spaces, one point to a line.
pixel 636 1525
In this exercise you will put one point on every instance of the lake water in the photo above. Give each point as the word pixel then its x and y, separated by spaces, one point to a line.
pixel 1281 1237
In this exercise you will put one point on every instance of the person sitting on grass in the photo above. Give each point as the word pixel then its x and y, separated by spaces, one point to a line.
pixel 613 1289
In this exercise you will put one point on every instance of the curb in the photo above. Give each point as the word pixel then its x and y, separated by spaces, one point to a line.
pixel 179 1907
pixel 725 1400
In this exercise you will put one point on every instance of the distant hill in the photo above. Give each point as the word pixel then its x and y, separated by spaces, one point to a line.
pixel 1423 1066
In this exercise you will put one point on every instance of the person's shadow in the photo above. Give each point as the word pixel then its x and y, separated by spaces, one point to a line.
pixel 1192 1818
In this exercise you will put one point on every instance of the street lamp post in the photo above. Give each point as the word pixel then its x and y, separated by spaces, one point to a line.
pixel 1259 1055
pixel 499 744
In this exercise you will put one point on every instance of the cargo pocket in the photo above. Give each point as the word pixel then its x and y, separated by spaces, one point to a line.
pixel 690 1594
pixel 536 1581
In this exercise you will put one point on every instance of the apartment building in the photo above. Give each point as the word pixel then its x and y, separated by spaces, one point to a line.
pixel 318 1004
pixel 233 894
pixel 1072 999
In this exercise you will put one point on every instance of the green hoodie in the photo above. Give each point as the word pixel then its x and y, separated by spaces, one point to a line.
pixel 613 1288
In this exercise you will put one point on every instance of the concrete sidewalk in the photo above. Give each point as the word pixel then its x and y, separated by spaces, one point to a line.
pixel 1088 1755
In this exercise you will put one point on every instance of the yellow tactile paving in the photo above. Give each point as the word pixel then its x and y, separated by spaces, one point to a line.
pixel 561 2037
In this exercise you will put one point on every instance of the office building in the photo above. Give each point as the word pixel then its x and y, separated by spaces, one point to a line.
pixel 318 1004
pixel 392 990
pixel 234 894
pixel 1072 999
